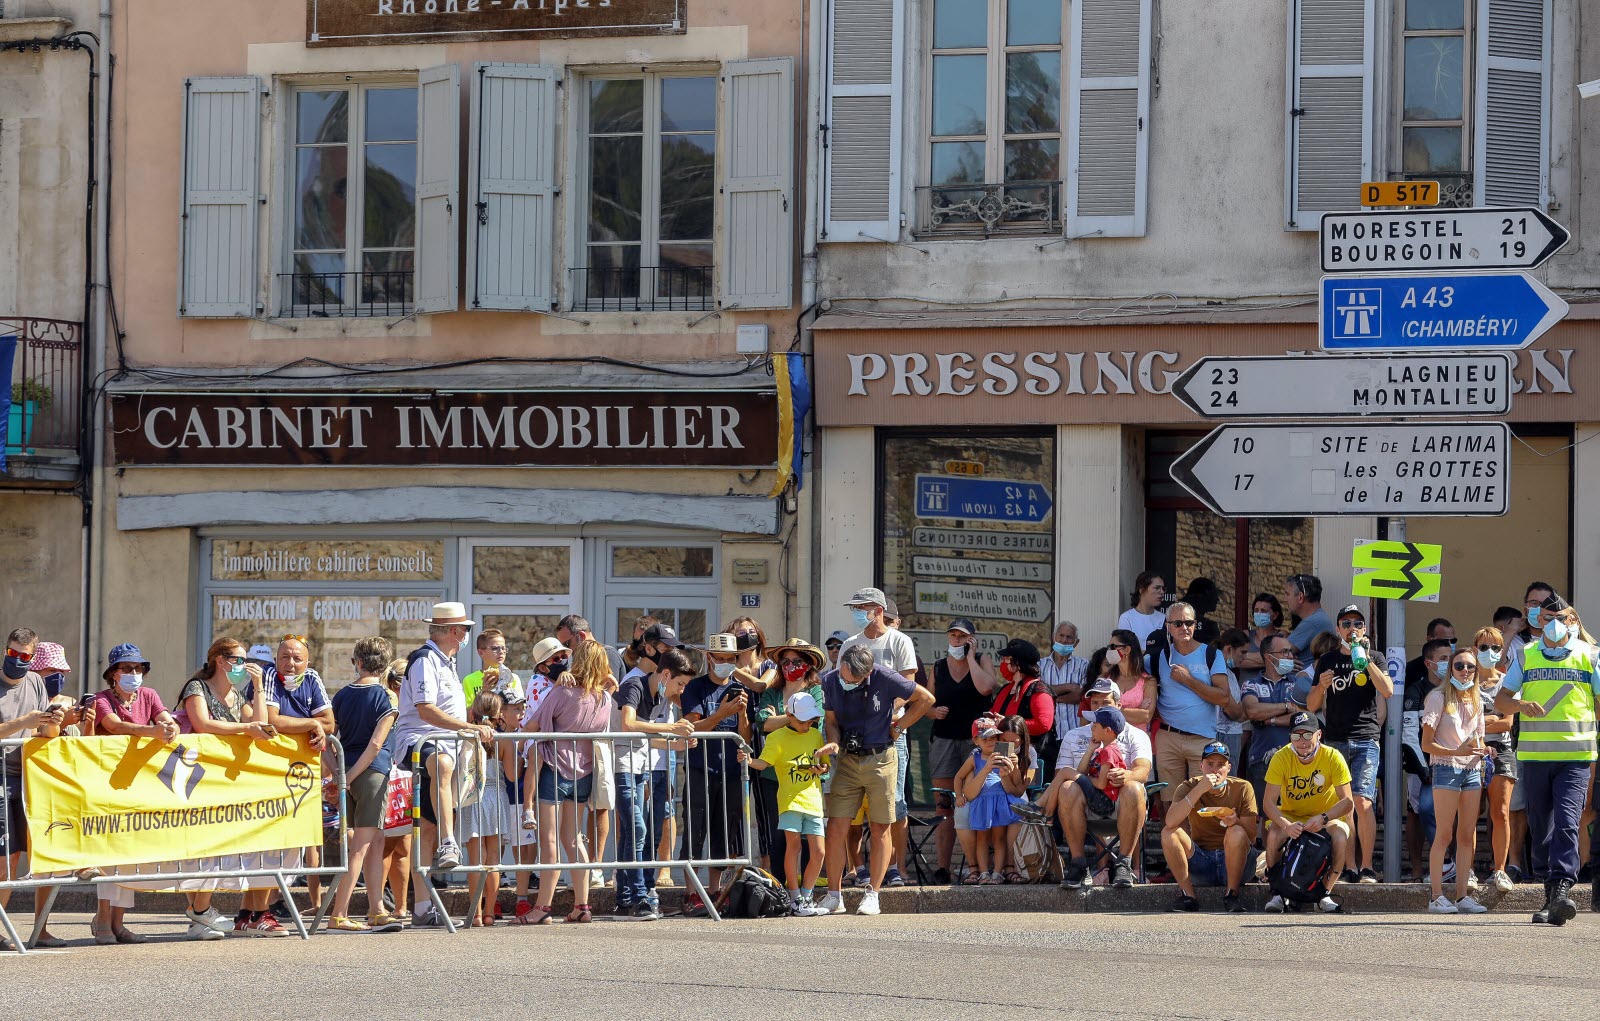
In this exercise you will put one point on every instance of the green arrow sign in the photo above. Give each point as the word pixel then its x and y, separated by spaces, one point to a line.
pixel 1397 570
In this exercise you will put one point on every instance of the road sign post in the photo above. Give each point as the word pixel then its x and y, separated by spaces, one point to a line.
pixel 1269 386
pixel 1349 469
pixel 1394 635
pixel 1435 239
pixel 1454 311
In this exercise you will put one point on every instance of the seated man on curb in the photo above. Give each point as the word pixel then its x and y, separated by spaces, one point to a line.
pixel 1074 798
pixel 1208 831
pixel 1308 788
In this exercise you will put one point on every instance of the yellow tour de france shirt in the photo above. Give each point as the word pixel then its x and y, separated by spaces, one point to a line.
pixel 791 755
pixel 1307 788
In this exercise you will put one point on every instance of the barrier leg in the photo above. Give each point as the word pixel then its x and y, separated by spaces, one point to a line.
pixel 438 901
pixel 11 932
pixel 43 914
pixel 475 884
pixel 294 909
pixel 700 891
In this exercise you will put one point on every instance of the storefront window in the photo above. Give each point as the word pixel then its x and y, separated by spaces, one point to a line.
pixel 662 561
pixel 331 621
pixel 520 570
pixel 968 530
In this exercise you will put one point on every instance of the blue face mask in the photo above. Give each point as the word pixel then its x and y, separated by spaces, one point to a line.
pixel 1285 667
pixel 1556 631
pixel 1488 659
pixel 1533 617
pixel 1062 649
pixel 1459 684
pixel 54 683
pixel 1261 619
pixel 1441 668
pixel 846 685
pixel 862 618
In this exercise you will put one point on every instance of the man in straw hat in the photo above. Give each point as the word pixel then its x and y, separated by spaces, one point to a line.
pixel 434 706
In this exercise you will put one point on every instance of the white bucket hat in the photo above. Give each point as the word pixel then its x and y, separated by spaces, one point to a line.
pixel 448 614
pixel 546 648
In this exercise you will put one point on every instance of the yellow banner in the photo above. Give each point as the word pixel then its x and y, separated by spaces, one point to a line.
pixel 133 800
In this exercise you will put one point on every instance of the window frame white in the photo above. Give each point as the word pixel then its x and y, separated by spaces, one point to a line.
pixel 286 169
pixel 577 139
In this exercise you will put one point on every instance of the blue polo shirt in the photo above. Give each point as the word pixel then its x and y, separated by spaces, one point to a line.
pixel 869 709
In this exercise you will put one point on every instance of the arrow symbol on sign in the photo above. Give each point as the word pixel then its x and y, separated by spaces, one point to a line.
pixel 1412 557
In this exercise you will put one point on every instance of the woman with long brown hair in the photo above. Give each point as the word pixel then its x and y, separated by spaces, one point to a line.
pixel 1453 727
pixel 576 704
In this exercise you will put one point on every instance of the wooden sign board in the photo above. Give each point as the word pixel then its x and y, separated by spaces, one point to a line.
pixel 394 22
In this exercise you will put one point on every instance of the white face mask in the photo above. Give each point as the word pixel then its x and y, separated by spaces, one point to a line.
pixel 723 670
pixel 1113 657
pixel 958 652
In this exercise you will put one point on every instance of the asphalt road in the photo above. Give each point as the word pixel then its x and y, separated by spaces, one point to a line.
pixel 1013 967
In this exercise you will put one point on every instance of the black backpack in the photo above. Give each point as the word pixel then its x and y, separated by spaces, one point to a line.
pixel 1298 876
pixel 754 894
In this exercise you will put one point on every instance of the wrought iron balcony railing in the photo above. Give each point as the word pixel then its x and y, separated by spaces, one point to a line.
pixel 1455 189
pixel 46 387
pixel 643 289
pixel 341 295
pixel 989 210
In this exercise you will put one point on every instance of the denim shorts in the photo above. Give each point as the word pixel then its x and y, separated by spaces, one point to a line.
pixel 1362 758
pixel 1210 868
pixel 799 822
pixel 1453 778
pixel 555 787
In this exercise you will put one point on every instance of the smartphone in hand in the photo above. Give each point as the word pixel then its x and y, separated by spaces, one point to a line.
pixel 1006 749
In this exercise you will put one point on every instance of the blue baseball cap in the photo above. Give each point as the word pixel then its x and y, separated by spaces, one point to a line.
pixel 1111 718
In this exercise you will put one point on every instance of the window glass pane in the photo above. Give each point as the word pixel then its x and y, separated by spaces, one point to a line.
pixel 953 560
pixel 1033 92
pixel 957 163
pixel 1033 159
pixel 319 279
pixel 391 115
pixel 322 117
pixel 1435 14
pixel 386 278
pixel 1431 150
pixel 662 562
pixel 1433 86
pixel 688 186
pixel 391 196
pixel 521 570
pixel 688 104
pixel 958 91
pixel 320 190
pixel 685 272
pixel 690 625
pixel 616 187
pixel 332 620
pixel 613 272
pixel 616 106
pixel 960 23
pixel 1033 22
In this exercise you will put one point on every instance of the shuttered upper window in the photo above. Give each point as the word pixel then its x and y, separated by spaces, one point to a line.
pixel 353 202
pixel 649 153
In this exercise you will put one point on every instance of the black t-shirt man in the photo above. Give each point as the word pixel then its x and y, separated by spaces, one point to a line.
pixel 1351 710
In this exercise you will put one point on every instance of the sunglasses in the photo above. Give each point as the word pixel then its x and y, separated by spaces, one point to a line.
pixel 19 655
pixel 1489 648
pixel 791 661
pixel 1302 735
pixel 1470 668
pixel 132 668
pixel 235 660
pixel 1118 645
pixel 1181 623
pixel 302 639
pixel 496 648
pixel 1350 625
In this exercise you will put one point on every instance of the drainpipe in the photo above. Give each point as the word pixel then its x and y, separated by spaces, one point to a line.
pixel 93 514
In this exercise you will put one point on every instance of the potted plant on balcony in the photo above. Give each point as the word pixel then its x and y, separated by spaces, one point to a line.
pixel 29 398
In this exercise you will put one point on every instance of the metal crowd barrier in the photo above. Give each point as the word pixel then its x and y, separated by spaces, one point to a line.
pixel 333 752
pixel 694 801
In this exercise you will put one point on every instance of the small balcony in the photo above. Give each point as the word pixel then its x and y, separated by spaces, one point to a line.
pixel 643 289
pixel 43 429
pixel 1014 208
pixel 1455 189
pixel 373 294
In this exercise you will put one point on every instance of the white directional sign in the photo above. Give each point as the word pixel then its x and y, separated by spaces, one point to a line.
pixel 1279 386
pixel 1435 239
pixel 1451 469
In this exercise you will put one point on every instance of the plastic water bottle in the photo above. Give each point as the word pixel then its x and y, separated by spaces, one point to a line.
pixel 1358 655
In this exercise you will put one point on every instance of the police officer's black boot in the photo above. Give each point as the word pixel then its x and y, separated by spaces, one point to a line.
pixel 1542 916
pixel 1562 910
pixel 1594 894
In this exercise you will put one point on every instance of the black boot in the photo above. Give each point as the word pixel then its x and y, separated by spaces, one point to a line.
pixel 1562 910
pixel 1542 916
pixel 1594 897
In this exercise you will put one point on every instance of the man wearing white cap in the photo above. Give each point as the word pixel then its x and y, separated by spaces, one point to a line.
pixel 891 648
pixel 432 706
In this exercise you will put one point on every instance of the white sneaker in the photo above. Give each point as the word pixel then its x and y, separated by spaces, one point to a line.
pixel 832 903
pixel 201 931
pixel 869 903
pixel 1468 906
pixel 800 906
pixel 1441 905
pixel 1274 905
pixel 211 918
pixel 1502 882
pixel 1327 905
pixel 1472 881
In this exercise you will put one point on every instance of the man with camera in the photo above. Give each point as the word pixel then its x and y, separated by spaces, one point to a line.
pixel 861 699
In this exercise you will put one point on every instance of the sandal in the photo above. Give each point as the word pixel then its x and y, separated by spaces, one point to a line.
pixel 530 821
pixel 580 913
pixel 534 916
pixel 992 879
pixel 1015 878
pixel 340 923
pixel 383 922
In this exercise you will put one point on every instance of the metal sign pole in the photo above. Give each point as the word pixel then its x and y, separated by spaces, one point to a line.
pixel 1394 797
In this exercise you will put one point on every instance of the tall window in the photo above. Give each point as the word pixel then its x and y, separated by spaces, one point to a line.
pixel 1435 44
pixel 994 152
pixel 651 145
pixel 355 201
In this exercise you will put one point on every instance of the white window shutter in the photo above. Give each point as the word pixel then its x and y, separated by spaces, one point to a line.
pixel 221 206
pixel 861 120
pixel 438 188
pixel 758 184
pixel 512 152
pixel 1329 123
pixel 1108 118
pixel 1511 136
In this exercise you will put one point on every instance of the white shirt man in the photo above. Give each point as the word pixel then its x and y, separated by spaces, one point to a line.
pixel 891 648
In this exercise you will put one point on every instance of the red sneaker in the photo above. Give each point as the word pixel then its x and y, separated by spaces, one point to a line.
pixel 263 924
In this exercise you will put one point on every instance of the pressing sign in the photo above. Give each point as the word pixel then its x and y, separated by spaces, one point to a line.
pixel 1400 193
